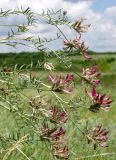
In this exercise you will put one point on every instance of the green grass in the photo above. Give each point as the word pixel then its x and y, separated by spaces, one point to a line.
pixel 79 115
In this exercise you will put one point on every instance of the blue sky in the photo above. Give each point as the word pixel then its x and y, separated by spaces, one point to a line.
pixel 101 5
pixel 101 14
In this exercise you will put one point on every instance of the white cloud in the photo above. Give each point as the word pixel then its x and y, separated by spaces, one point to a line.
pixel 111 11
pixel 101 36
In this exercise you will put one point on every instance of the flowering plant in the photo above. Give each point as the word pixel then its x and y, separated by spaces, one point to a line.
pixel 100 101
pixel 98 136
pixel 62 85
pixel 47 123
pixel 91 74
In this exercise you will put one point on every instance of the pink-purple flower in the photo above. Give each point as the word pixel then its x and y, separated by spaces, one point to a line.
pixel 91 75
pixel 56 134
pixel 52 134
pixel 100 101
pixel 77 44
pixel 61 152
pixel 98 136
pixel 84 51
pixel 58 116
pixel 70 45
pixel 62 85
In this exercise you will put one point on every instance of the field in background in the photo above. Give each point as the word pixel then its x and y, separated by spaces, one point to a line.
pixel 106 61
pixel 107 64
pixel 11 59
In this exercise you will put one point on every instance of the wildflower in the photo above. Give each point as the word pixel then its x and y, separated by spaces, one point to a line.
pixel 62 85
pixel 91 75
pixel 100 101
pixel 48 66
pixel 52 134
pixel 58 133
pixel 57 116
pixel 46 131
pixel 80 27
pixel 61 152
pixel 72 44
pixel 98 136
pixel 84 51
pixel 77 44
pixel 60 149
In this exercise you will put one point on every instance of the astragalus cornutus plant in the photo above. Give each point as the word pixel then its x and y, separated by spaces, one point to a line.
pixel 46 123
pixel 91 75
pixel 60 84
pixel 100 101
pixel 98 136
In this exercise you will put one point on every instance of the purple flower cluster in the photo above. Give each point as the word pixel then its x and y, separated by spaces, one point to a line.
pixel 56 135
pixel 57 116
pixel 100 101
pixel 98 136
pixel 91 75
pixel 62 85
pixel 77 44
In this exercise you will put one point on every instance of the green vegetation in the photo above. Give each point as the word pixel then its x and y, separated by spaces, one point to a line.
pixel 106 60
pixel 79 115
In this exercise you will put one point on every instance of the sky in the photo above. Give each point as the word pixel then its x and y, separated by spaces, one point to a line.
pixel 101 14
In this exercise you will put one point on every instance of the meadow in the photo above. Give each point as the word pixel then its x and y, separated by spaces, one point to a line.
pixel 78 111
